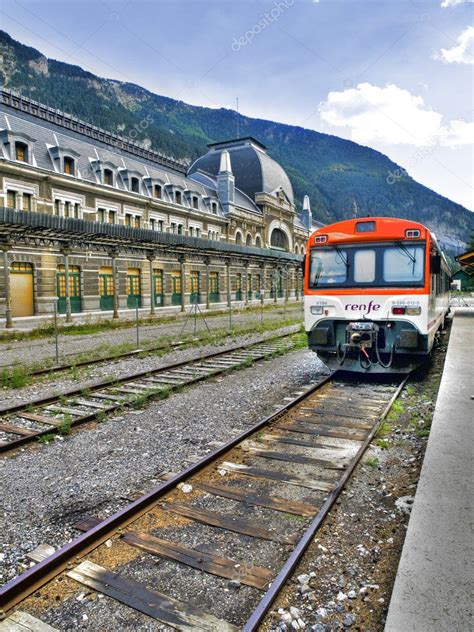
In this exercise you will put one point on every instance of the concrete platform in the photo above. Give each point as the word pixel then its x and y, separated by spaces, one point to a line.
pixel 434 585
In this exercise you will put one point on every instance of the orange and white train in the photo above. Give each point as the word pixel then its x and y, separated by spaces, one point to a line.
pixel 376 293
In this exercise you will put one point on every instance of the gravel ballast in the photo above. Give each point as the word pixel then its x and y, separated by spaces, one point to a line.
pixel 48 488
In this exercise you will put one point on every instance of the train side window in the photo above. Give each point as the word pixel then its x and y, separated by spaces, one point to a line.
pixel 364 266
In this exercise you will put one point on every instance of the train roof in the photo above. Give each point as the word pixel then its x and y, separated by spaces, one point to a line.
pixel 370 228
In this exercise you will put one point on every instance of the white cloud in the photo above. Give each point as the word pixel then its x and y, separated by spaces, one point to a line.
pixel 463 51
pixel 453 3
pixel 391 116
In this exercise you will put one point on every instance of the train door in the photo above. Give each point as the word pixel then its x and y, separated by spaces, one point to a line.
pixel 74 289
pixel 134 288
pixel 22 289
pixel 106 288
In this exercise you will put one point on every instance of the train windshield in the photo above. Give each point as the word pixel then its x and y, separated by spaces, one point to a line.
pixel 378 265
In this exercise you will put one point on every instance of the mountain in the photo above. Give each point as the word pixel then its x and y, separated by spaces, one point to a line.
pixel 341 177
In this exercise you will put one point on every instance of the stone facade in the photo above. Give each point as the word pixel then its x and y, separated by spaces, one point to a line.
pixel 53 165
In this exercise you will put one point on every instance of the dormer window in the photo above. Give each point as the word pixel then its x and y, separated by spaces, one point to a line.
pixel 157 192
pixel 214 207
pixel 195 202
pixel 69 166
pixel 178 198
pixel 21 151
pixel 135 185
pixel 109 177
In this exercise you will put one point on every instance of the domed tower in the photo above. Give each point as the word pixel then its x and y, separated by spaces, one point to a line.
pixel 253 169
pixel 242 169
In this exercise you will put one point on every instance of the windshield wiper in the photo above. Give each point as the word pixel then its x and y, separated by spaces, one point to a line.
pixel 343 256
pixel 411 256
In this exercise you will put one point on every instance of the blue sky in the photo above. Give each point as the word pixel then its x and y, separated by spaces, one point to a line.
pixel 394 75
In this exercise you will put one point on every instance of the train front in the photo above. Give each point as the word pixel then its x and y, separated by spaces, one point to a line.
pixel 367 295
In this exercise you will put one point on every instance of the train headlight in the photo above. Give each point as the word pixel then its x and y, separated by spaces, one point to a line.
pixel 413 311
pixel 316 310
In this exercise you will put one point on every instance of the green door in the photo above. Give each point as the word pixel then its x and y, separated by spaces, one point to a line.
pixel 214 287
pixel 238 287
pixel 176 288
pixel 195 287
pixel 134 288
pixel 106 288
pixel 158 283
pixel 280 285
pixel 74 289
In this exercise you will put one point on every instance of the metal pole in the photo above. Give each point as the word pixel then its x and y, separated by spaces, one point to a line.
pixel 275 286
pixel 56 341
pixel 115 276
pixel 195 315
pixel 152 288
pixel 8 299
pixel 67 293
pixel 263 286
pixel 136 320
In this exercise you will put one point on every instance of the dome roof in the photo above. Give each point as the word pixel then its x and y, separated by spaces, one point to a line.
pixel 253 169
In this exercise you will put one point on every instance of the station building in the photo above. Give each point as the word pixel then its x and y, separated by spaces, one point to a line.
pixel 91 221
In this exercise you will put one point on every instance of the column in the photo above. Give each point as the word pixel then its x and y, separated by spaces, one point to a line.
pixel 206 262
pixel 296 279
pixel 113 256
pixel 263 284
pixel 287 283
pixel 227 273
pixel 8 300
pixel 276 274
pixel 183 283
pixel 66 253
pixel 151 258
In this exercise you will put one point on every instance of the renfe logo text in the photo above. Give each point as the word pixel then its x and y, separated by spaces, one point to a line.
pixel 371 307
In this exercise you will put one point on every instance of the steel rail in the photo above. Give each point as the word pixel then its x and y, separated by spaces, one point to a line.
pixel 86 418
pixel 56 368
pixel 35 577
pixel 280 580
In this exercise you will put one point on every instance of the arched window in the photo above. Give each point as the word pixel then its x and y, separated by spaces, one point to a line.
pixel 69 166
pixel 248 241
pixel 109 177
pixel 258 242
pixel 279 239
pixel 238 238
pixel 21 152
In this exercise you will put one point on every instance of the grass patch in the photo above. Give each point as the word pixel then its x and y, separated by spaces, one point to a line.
pixel 384 429
pixel 382 443
pixel 372 461
pixel 15 377
pixel 47 438
pixel 65 426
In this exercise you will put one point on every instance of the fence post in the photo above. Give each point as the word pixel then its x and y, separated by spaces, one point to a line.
pixel 56 341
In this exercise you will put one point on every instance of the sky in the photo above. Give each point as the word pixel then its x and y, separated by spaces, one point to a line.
pixel 395 75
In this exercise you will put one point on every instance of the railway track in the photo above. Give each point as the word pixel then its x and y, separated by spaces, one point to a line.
pixel 211 547
pixel 28 421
